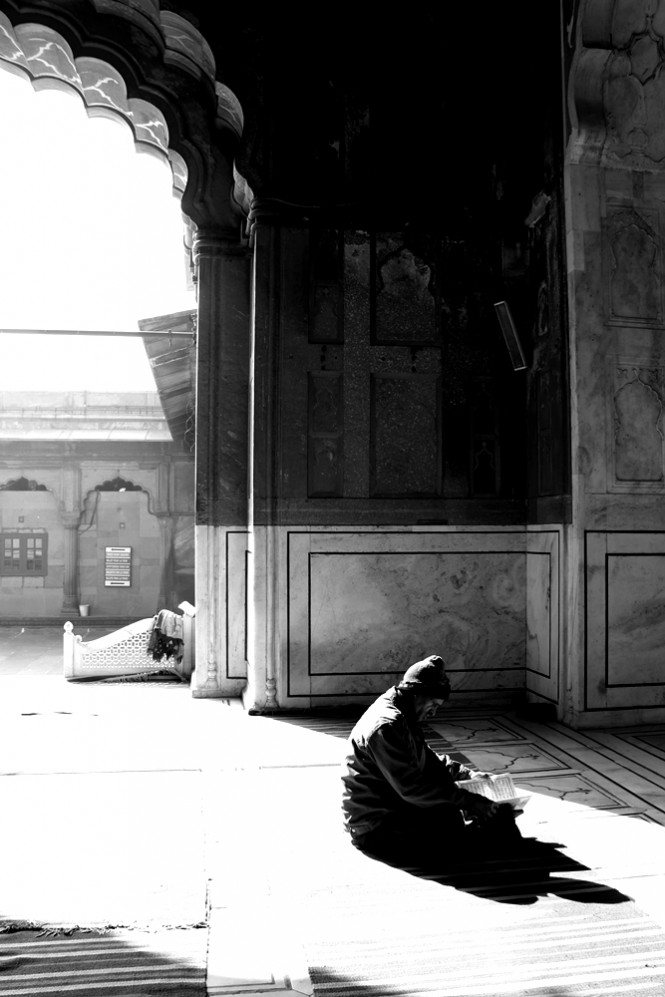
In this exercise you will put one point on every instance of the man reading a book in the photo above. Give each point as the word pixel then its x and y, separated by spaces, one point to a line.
pixel 401 800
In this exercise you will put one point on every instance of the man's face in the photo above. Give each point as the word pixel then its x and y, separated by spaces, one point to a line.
pixel 426 706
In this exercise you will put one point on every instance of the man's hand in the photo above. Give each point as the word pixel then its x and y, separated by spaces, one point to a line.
pixel 480 807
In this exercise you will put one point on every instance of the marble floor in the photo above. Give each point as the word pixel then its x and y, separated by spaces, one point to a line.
pixel 599 794
pixel 619 770
pixel 267 792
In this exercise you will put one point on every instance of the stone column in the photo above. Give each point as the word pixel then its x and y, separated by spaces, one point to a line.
pixel 165 597
pixel 263 642
pixel 614 547
pixel 221 443
pixel 70 604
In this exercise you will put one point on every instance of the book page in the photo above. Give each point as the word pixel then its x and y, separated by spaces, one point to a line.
pixel 498 788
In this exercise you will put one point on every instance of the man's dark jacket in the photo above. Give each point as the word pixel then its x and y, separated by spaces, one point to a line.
pixel 389 765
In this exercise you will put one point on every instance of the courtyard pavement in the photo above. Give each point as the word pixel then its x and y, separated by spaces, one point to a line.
pixel 133 803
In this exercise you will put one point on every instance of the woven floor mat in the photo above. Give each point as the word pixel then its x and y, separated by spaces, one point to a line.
pixel 107 964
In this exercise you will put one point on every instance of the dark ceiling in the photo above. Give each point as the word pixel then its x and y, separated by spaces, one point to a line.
pixel 403 113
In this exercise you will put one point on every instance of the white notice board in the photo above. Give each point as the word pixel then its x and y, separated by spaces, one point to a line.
pixel 118 567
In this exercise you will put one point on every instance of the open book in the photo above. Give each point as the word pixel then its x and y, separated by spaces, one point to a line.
pixel 499 788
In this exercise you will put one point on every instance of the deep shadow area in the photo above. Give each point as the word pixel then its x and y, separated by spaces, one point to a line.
pixel 520 874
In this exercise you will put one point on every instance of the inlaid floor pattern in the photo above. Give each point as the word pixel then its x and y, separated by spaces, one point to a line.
pixel 599 795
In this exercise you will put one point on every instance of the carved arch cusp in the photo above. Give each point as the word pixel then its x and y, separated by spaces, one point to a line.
pixel 201 170
pixel 104 89
pixel 50 60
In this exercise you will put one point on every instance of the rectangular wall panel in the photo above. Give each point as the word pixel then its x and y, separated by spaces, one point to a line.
pixel 236 603
pixel 362 606
pixel 543 582
pixel 325 422
pixel 625 620
pixel 405 435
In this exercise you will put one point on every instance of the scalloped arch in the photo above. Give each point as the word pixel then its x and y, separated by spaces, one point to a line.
pixel 23 484
pixel 91 496
pixel 45 57
pixel 118 484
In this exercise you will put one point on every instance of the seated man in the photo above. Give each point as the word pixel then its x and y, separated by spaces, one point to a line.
pixel 401 800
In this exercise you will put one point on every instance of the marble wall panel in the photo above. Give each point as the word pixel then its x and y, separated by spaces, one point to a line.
pixel 325 464
pixel 357 321
pixel 361 606
pixel 236 602
pixel 625 613
pixel 404 307
pixel 636 618
pixel 543 614
pixel 637 425
pixel 633 266
pixel 326 302
pixel 405 431
pixel 548 450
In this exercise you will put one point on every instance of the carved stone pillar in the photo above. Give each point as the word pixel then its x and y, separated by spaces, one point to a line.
pixel 263 637
pixel 165 597
pixel 615 185
pixel 221 444
pixel 70 603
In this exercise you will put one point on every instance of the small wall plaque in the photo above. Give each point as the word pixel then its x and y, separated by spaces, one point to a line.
pixel 118 567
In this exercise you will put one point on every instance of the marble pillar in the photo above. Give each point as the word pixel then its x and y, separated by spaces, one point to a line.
pixel 615 193
pixel 221 444
pixel 70 603
pixel 263 644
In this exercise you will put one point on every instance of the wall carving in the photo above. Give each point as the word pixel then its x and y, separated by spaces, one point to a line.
pixel 633 99
pixel 326 306
pixel 417 418
pixel 326 425
pixel 633 242
pixel 638 427
pixel 404 303
pixel 485 471
pixel 547 390
pixel 618 84
pixel 405 435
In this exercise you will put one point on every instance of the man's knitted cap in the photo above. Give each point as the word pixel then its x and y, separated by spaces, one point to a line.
pixel 428 676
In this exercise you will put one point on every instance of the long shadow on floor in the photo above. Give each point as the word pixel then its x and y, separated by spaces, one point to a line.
pixel 518 876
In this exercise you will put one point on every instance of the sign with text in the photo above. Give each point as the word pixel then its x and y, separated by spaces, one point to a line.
pixel 118 567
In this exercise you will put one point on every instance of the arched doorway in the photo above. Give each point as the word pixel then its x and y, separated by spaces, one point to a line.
pixel 135 555
pixel 155 70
